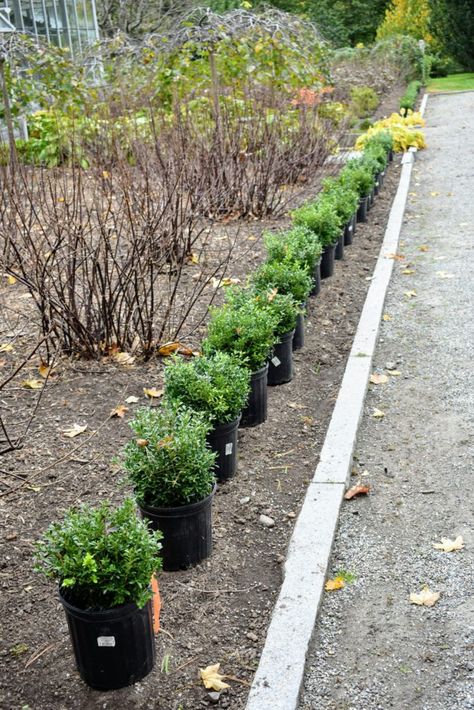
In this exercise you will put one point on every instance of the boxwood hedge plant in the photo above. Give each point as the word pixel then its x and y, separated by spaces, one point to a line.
pixel 322 218
pixel 168 462
pixel 101 557
pixel 358 176
pixel 242 327
pixel 377 152
pixel 216 385
pixel 344 198
pixel 288 277
pixel 299 245
pixel 284 307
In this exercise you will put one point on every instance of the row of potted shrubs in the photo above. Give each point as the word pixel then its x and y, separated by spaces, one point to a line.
pixel 104 558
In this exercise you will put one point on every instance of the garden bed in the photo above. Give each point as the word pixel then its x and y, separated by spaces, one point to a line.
pixel 219 611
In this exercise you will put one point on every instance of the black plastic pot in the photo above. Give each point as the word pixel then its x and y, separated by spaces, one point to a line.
pixel 381 179
pixel 339 252
pixel 223 440
pixel 377 184
pixel 187 532
pixel 327 261
pixel 390 156
pixel 363 209
pixel 298 336
pixel 280 367
pixel 371 198
pixel 256 410
pixel 114 647
pixel 316 279
pixel 349 232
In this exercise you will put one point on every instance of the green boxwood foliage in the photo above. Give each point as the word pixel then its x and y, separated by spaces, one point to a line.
pixel 344 198
pixel 216 385
pixel 364 101
pixel 321 218
pixel 357 175
pixel 169 462
pixel 286 276
pixel 242 327
pixel 101 557
pixel 284 307
pixel 408 100
pixel 299 245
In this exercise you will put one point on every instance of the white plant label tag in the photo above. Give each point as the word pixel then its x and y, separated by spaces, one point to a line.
pixel 349 229
pixel 276 361
pixel 229 448
pixel 106 641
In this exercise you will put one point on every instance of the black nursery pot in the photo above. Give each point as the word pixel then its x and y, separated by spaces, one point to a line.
pixel 113 647
pixel 349 232
pixel 280 367
pixel 381 179
pixel 390 156
pixel 298 336
pixel 339 252
pixel 327 261
pixel 371 198
pixel 256 410
pixel 377 184
pixel 363 209
pixel 187 532
pixel 316 279
pixel 223 440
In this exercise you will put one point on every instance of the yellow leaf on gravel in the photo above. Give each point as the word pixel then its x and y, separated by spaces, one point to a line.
pixel 152 392
pixel 444 275
pixel 376 379
pixel 423 247
pixel 32 384
pixel 6 348
pixel 174 347
pixel 394 373
pixel 387 317
pixel 434 194
pixel 119 411
pixel 377 413
pixel 447 545
pixel 396 257
pixel 75 430
pixel 124 359
pixel 132 399
pixel 333 584
pixel 424 598
pixel 408 272
pixel 212 679
pixel 11 280
pixel 46 370
pixel 410 294
pixel 193 259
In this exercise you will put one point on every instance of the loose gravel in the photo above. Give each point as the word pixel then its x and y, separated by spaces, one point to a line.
pixel 372 649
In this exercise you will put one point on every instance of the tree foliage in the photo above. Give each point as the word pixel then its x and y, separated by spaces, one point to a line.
pixel 406 17
pixel 452 25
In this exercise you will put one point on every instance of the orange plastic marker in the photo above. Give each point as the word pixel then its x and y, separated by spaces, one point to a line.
pixel 156 604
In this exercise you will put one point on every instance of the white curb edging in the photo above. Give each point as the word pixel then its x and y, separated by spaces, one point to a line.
pixel 277 682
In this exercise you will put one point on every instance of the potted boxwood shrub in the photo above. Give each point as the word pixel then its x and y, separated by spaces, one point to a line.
pixel 300 245
pixel 218 386
pixel 103 559
pixel 245 328
pixel 358 177
pixel 171 469
pixel 376 152
pixel 286 309
pixel 321 217
pixel 345 200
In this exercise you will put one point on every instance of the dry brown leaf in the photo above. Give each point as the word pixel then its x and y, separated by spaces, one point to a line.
pixel 141 443
pixel 119 411
pixel 376 379
pixel 212 679
pixel 75 430
pixel 410 294
pixel 193 259
pixel 447 545
pixel 123 359
pixel 408 272
pixel 296 405
pixel 169 348
pixel 377 413
pixel 358 490
pixel 394 373
pixel 271 294
pixel 32 384
pixel 424 598
pixel 395 257
pixel 6 348
pixel 333 584
pixel 423 247
pixel 46 370
pixel 152 392
pixel 387 317
pixel 132 399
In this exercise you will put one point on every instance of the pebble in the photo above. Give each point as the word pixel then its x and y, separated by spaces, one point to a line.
pixel 244 500
pixel 266 521
pixel 214 697
pixel 251 636
pixel 391 365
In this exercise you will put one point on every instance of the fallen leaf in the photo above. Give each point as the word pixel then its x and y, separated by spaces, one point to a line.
pixel 11 280
pixel 229 281
pixel 193 259
pixel 32 384
pixel 376 379
pixel 174 347
pixel 165 441
pixel 425 597
pixel 434 194
pixel 408 272
pixel 142 443
pixel 410 294
pixel 394 373
pixel 6 348
pixel 132 399
pixel 377 413
pixel 75 430
pixel 123 359
pixel 396 257
pixel 271 294
pixel 413 194
pixel 386 317
pixel 105 174
pixel 333 584
pixel 444 275
pixel 212 679
pixel 152 392
pixel 358 490
pixel 296 405
pixel 447 545
pixel 119 411
pixel 46 370
pixel 423 247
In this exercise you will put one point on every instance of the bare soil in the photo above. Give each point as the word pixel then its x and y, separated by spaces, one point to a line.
pixel 220 610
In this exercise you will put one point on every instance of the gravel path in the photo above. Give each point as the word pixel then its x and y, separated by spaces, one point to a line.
pixel 372 649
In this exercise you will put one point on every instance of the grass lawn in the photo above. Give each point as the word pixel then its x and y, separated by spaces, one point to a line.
pixel 453 82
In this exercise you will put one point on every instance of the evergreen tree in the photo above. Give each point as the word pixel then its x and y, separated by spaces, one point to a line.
pixel 452 24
